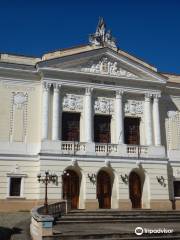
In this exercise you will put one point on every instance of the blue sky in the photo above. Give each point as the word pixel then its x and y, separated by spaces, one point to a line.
pixel 148 29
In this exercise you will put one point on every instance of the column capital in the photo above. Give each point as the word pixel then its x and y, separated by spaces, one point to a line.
pixel 56 87
pixel 148 96
pixel 88 90
pixel 156 96
pixel 119 93
pixel 46 86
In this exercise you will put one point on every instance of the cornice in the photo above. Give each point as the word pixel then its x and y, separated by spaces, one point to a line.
pixel 112 159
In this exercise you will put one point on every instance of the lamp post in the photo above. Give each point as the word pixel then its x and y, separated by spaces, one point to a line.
pixel 46 179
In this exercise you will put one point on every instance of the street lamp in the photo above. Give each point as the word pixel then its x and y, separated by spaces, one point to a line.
pixel 46 179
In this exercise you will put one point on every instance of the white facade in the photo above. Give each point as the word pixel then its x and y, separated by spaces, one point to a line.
pixel 89 80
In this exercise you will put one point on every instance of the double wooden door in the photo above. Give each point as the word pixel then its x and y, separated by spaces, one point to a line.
pixel 104 189
pixel 135 190
pixel 131 126
pixel 71 188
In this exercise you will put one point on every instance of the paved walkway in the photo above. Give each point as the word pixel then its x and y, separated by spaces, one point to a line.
pixel 14 226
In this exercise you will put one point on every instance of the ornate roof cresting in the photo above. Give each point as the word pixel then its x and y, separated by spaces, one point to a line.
pixel 102 37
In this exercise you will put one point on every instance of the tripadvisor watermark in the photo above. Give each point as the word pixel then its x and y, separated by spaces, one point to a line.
pixel 139 231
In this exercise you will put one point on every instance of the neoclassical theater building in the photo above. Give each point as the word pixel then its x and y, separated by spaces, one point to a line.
pixel 104 121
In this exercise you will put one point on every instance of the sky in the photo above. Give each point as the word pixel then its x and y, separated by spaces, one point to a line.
pixel 147 29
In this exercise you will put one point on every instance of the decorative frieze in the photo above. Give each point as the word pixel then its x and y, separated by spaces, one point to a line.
pixel 133 107
pixel 104 105
pixel 107 67
pixel 72 102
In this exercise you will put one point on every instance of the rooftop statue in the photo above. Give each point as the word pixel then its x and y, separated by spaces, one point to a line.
pixel 102 37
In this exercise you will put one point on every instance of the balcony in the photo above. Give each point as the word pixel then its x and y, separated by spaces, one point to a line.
pixel 102 149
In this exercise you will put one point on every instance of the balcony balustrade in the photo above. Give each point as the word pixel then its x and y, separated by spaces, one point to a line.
pixel 69 147
pixel 136 151
pixel 103 149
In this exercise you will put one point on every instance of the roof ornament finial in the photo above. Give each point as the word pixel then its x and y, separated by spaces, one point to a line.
pixel 102 37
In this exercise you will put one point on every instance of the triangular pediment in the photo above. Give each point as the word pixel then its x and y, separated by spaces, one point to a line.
pixel 103 62
pixel 102 65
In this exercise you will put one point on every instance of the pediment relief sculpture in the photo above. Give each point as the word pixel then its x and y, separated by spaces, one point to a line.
pixel 107 67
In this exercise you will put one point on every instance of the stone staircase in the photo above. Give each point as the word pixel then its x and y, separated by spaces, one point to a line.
pixel 109 216
pixel 114 225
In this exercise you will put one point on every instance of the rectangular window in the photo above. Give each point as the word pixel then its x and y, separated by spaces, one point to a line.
pixel 70 126
pixel 131 128
pixel 102 129
pixel 176 188
pixel 15 186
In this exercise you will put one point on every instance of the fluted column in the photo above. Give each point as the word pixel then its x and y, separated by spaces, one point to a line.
pixel 88 116
pixel 119 118
pixel 45 110
pixel 148 119
pixel 156 120
pixel 56 113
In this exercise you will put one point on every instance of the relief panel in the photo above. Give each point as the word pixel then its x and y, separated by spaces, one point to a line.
pixel 18 117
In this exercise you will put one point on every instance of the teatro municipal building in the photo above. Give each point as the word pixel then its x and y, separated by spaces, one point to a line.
pixel 106 123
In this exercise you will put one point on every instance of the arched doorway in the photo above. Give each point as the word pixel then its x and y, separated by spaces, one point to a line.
pixel 104 189
pixel 70 181
pixel 135 190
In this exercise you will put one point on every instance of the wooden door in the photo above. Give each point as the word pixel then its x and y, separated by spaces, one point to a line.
pixel 135 190
pixel 71 188
pixel 70 126
pixel 102 132
pixel 131 127
pixel 104 190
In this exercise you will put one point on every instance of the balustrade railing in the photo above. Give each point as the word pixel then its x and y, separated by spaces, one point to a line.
pixel 41 223
pixel 135 150
pixel 105 148
pixel 72 147
pixel 55 209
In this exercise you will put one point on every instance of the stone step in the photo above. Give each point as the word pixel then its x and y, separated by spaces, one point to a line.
pixel 118 217
pixel 115 221
pixel 113 212
pixel 112 236
pixel 116 225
